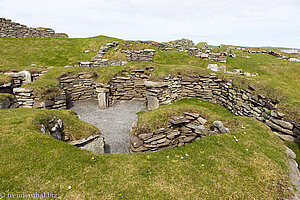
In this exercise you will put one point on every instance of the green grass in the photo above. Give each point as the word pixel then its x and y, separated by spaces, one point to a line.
pixel 19 53
pixel 215 167
pixel 296 148
pixel 113 54
pixel 3 96
pixel 4 79
pixel 201 44
pixel 277 78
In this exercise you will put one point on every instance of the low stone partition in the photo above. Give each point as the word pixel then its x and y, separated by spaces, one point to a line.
pixel 208 54
pixel 145 55
pixel 103 50
pixel 22 77
pixel 25 98
pixel 131 87
pixel 102 63
pixel 9 29
pixel 182 44
pixel 160 46
pixel 179 131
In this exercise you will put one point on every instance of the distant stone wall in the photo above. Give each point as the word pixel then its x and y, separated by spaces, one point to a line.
pixel 208 54
pixel 145 55
pixel 9 29
pixel 182 44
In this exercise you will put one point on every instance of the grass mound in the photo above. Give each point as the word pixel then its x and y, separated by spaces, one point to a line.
pixel 215 167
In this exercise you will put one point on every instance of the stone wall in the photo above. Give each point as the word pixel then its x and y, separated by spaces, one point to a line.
pixel 22 77
pixel 136 86
pixel 180 130
pixel 9 29
pixel 182 44
pixel 25 98
pixel 79 87
pixel 207 54
pixel 238 101
pixel 160 46
pixel 145 55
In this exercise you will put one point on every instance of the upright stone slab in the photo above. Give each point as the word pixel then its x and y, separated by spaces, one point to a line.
pixel 152 103
pixel 102 100
pixel 27 76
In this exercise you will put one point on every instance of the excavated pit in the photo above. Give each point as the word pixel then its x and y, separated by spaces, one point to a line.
pixel 114 122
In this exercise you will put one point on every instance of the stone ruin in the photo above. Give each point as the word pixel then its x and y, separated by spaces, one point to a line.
pixel 145 55
pixel 180 130
pixel 207 54
pixel 55 128
pixel 9 29
pixel 183 44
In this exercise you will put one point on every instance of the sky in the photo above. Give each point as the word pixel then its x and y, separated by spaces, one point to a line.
pixel 235 22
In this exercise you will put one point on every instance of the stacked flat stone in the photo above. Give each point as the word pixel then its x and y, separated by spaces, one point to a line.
pixel 98 60
pixel 79 87
pixel 180 130
pixel 24 97
pixel 160 46
pixel 207 54
pixel 136 86
pixel 19 78
pixel 9 29
pixel 130 87
pixel 103 51
pixel 145 55
pixel 183 44
pixel 273 53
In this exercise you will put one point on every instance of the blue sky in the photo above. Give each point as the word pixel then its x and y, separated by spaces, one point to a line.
pixel 238 22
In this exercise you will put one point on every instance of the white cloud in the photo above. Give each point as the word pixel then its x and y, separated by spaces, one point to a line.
pixel 251 22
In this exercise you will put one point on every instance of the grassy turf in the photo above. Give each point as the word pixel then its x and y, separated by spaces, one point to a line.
pixel 19 53
pixel 215 167
pixel 4 79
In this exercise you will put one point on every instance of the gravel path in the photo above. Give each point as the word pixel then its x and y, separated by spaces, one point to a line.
pixel 114 122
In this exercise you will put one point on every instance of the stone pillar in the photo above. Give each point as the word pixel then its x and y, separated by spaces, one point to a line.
pixel 27 76
pixel 152 102
pixel 103 100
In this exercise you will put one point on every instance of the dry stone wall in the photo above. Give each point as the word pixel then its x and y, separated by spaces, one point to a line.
pixel 207 54
pixel 145 55
pixel 9 29
pixel 79 87
pixel 180 130
pixel 135 85
pixel 25 98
